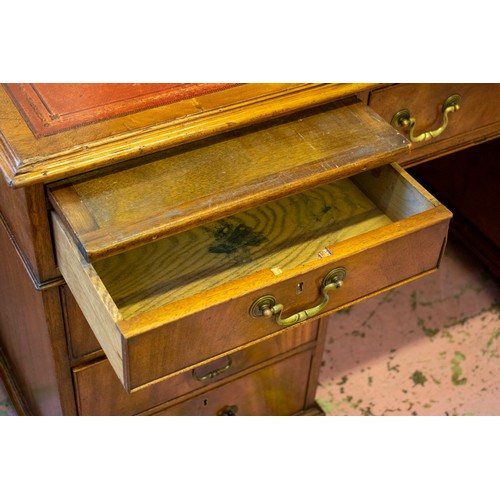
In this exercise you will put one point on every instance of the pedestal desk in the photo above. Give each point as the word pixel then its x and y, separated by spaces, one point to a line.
pixel 176 249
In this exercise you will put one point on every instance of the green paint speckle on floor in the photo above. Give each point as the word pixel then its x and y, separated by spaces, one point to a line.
pixel 394 368
pixel 429 332
pixel 367 412
pixel 456 369
pixel 418 378
pixel 325 405
pixel 357 333
pixel 492 353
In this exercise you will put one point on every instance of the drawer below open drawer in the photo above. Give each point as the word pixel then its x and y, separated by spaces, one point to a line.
pixel 95 379
pixel 278 389
pixel 173 304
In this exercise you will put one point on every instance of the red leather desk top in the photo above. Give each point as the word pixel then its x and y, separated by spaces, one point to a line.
pixel 49 108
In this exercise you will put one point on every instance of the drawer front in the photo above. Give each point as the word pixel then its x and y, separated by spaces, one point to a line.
pixel 478 115
pixel 381 229
pixel 99 392
pixel 276 390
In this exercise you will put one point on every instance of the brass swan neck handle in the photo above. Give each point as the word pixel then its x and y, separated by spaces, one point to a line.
pixel 403 120
pixel 266 306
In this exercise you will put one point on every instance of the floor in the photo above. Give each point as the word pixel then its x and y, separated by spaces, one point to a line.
pixel 430 347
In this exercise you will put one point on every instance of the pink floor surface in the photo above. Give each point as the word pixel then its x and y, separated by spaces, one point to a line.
pixel 430 347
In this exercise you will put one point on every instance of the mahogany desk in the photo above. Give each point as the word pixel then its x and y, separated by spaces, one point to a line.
pixel 176 249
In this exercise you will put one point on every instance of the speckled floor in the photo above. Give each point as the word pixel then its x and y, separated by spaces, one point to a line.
pixel 430 347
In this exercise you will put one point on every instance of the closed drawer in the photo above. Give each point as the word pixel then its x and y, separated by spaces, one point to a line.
pixel 478 115
pixel 80 337
pixel 278 390
pixel 173 304
pixel 98 378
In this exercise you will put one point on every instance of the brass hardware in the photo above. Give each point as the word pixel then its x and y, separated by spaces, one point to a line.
pixel 266 305
pixel 210 375
pixel 229 411
pixel 402 119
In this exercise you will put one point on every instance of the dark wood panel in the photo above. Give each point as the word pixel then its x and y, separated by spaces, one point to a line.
pixel 477 119
pixel 81 339
pixel 97 379
pixel 25 213
pixel 278 390
pixel 32 337
pixel 469 183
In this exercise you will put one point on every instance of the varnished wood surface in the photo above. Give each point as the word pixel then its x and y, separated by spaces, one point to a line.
pixel 50 108
pixel 26 160
pixel 81 340
pixel 158 331
pixel 280 236
pixel 100 312
pixel 477 119
pixel 283 383
pixel 229 327
pixel 98 378
pixel 25 214
pixel 32 337
pixel 317 358
pixel 152 199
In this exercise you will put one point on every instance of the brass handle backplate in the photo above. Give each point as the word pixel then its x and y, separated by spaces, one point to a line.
pixel 266 305
pixel 403 120
pixel 214 373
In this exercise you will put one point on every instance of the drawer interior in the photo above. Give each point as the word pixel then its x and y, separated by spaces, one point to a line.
pixel 282 235
pixel 180 301
pixel 135 203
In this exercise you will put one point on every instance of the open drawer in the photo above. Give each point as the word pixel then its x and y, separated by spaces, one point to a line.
pixel 170 305
pixel 193 254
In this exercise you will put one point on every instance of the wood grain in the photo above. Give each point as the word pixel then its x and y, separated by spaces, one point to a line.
pixel 91 295
pixel 151 199
pixel 32 337
pixel 395 192
pixel 188 333
pixel 477 119
pixel 25 215
pixel 282 235
pixel 82 343
pixel 49 108
pixel 26 160
pixel 277 389
pixel 150 330
pixel 163 341
pixel 93 380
